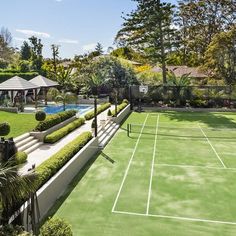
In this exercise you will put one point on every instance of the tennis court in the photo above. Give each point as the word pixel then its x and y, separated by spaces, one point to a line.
pixel 173 174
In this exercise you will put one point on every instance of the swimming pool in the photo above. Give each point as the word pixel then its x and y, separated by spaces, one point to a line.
pixel 53 109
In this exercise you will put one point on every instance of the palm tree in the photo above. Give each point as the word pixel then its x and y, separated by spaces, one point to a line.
pixel 64 97
pixel 14 187
pixel 178 84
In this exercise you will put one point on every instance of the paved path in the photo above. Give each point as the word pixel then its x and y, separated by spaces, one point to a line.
pixel 47 150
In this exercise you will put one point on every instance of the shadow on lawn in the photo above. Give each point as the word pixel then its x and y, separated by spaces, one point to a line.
pixel 214 120
pixel 70 188
pixel 74 183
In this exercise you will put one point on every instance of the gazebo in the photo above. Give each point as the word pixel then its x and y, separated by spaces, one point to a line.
pixel 17 84
pixel 43 83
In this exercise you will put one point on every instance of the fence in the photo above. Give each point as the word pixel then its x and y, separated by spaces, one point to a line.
pixel 182 96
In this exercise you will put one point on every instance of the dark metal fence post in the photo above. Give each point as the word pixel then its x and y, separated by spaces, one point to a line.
pixel 130 98
pixel 115 103
pixel 95 117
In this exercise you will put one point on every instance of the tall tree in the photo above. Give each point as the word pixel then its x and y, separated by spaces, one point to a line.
pixel 220 56
pixel 99 49
pixel 149 29
pixel 36 53
pixel 6 51
pixel 200 20
pixel 55 56
pixel 25 52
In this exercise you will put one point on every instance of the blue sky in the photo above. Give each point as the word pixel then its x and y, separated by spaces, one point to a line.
pixel 75 25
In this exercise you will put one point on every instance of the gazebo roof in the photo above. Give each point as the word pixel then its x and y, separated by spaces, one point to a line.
pixel 42 82
pixel 17 83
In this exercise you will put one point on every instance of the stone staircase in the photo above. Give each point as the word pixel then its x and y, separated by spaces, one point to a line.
pixel 26 143
pixel 106 132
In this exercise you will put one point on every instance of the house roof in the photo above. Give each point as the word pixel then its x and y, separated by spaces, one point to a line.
pixel 182 70
pixel 17 83
pixel 43 82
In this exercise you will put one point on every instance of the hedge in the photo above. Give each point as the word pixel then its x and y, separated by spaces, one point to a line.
pixel 53 120
pixel 7 75
pixel 100 109
pixel 21 157
pixel 57 135
pixel 119 108
pixel 56 227
pixel 52 165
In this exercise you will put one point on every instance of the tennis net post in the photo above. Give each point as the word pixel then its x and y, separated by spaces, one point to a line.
pixel 128 129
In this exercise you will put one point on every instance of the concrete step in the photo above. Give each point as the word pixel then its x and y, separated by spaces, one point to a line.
pixel 101 130
pixel 28 145
pixel 24 141
pixel 108 135
pixel 33 147
pixel 22 137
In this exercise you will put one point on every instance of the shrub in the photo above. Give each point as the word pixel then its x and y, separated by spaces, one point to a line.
pixel 119 108
pixel 5 75
pixel 57 135
pixel 109 113
pixel 93 124
pixel 13 230
pixel 4 129
pixel 40 116
pixel 125 101
pixel 53 120
pixel 50 167
pixel 100 109
pixel 20 157
pixel 56 227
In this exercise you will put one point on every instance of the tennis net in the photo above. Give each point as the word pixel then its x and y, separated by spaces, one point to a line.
pixel 183 132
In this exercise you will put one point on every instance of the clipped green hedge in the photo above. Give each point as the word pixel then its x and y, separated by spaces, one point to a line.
pixel 100 109
pixel 21 157
pixel 119 108
pixel 53 120
pixel 7 75
pixel 57 135
pixel 52 165
pixel 56 227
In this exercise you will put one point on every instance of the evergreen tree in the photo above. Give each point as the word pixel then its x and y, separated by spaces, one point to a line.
pixel 99 49
pixel 149 30
pixel 36 53
pixel 25 52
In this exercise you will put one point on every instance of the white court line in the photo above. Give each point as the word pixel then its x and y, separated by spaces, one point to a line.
pixel 130 161
pixel 192 166
pixel 212 147
pixel 152 169
pixel 177 218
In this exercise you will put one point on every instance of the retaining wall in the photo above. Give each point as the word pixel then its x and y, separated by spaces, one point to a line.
pixel 122 115
pixel 56 186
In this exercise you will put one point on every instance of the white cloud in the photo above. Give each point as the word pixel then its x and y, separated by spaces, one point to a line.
pixel 20 39
pixel 32 32
pixel 89 47
pixel 58 0
pixel 70 41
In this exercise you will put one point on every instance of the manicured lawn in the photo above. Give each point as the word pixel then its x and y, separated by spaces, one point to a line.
pixel 20 123
pixel 174 175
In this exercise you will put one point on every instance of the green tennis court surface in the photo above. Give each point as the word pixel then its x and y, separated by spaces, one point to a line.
pixel 174 175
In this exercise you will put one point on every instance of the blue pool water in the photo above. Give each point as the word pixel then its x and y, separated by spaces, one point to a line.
pixel 53 109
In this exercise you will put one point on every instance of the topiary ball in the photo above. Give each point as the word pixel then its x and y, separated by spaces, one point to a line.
pixel 4 129
pixel 40 115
